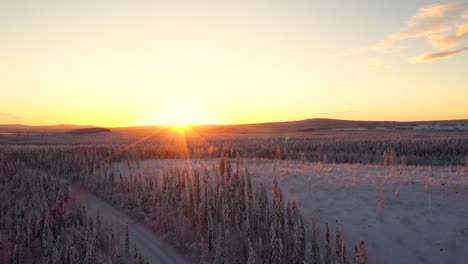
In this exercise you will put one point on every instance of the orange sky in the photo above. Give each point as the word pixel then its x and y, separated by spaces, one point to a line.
pixel 144 63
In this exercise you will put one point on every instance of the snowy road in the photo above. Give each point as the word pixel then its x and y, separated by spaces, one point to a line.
pixel 140 236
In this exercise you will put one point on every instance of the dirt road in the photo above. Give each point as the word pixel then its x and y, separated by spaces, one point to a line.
pixel 140 236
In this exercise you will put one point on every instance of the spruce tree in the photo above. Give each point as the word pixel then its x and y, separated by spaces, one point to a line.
pixel 338 244
pixel 127 242
pixel 299 242
pixel 344 257
pixel 361 251
pixel 315 249
pixel 252 256
pixel 328 249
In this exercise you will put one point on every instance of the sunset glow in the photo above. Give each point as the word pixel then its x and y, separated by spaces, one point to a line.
pixel 180 127
pixel 233 131
pixel 221 62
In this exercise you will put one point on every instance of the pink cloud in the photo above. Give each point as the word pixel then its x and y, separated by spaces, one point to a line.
pixel 426 57
pixel 444 42
pixel 428 21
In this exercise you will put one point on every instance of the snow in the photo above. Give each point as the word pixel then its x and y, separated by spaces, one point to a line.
pixel 140 236
pixel 406 214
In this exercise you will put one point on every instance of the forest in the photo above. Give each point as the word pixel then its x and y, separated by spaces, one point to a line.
pixel 212 216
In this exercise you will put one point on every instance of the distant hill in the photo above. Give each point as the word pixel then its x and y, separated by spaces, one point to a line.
pixel 323 124
pixel 23 129
pixel 88 130
pixel 301 126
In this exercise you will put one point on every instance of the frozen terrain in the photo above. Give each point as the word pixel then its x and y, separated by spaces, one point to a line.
pixel 405 214
pixel 140 237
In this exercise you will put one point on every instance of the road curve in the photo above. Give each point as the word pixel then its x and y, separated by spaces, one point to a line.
pixel 140 236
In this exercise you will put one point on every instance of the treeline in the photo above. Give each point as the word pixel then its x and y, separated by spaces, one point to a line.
pixel 351 148
pixel 40 224
pixel 410 148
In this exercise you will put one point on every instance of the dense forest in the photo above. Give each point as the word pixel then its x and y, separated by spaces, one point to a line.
pixel 214 216
pixel 39 223
pixel 218 216
pixel 366 147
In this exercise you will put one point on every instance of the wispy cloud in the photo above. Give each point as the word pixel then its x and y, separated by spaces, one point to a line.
pixel 444 42
pixel 429 22
pixel 426 57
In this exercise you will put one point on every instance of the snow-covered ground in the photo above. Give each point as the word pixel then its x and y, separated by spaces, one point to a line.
pixel 405 214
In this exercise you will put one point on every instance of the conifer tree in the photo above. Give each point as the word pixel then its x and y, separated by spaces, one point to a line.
pixel 338 244
pixel 344 257
pixel 361 253
pixel 299 242
pixel 127 242
pixel 315 249
pixel 135 255
pixel 328 250
pixel 252 256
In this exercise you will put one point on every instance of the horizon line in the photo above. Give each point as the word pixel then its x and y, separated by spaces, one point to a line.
pixel 238 124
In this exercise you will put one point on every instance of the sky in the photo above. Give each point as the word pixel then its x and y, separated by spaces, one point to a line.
pixel 129 63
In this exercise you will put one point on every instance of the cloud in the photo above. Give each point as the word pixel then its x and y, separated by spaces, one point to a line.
pixel 426 57
pixel 465 15
pixel 428 21
pixel 444 42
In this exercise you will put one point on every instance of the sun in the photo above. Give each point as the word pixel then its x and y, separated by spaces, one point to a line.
pixel 181 116
pixel 180 125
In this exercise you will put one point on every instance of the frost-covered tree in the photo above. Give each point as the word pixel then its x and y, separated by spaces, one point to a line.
pixel 360 255
pixel 42 227
pixel 127 242
pixel 212 220
pixel 315 249
pixel 252 259
pixel 328 247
